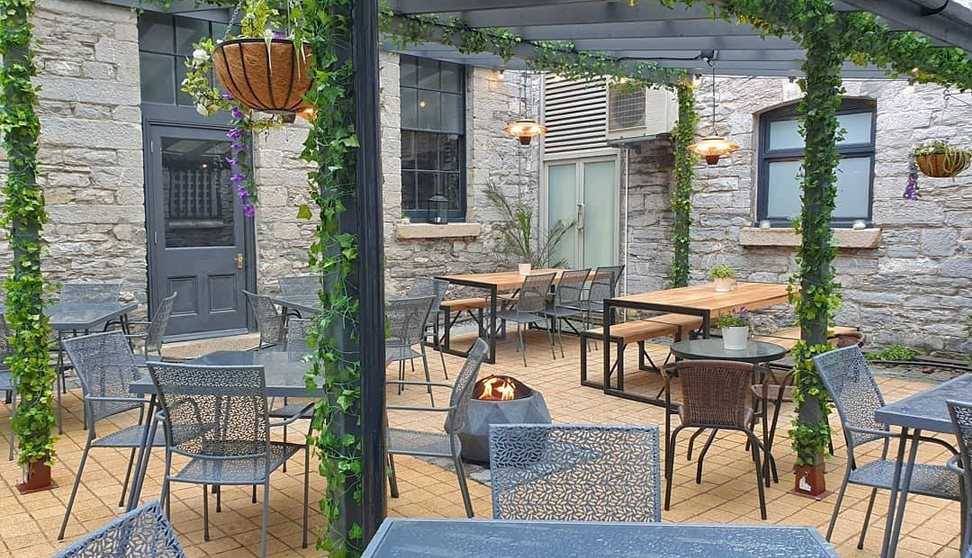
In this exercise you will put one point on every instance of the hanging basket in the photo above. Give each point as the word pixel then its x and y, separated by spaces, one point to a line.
pixel 943 165
pixel 265 76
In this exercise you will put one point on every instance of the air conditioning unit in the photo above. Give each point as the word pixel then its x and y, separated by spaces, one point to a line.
pixel 639 112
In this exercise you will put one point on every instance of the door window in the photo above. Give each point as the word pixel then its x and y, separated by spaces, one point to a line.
pixel 197 193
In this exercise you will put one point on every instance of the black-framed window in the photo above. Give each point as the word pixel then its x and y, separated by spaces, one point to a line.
pixel 433 135
pixel 164 43
pixel 781 152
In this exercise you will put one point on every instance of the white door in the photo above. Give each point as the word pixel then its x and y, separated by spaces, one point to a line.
pixel 584 192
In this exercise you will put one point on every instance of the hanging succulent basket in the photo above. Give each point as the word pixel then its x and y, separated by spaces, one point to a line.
pixel 269 76
pixel 943 165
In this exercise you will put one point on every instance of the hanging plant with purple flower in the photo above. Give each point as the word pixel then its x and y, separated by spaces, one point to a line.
pixel 239 161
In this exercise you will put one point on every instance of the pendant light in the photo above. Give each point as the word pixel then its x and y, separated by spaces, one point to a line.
pixel 711 148
pixel 525 128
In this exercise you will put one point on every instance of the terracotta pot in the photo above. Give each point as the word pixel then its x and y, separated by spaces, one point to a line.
pixel 810 480
pixel 37 477
pixel 940 165
pixel 268 77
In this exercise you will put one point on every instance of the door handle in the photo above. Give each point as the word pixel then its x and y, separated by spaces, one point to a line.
pixel 580 217
pixel 240 261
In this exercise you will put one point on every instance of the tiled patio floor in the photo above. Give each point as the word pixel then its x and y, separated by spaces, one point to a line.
pixel 29 524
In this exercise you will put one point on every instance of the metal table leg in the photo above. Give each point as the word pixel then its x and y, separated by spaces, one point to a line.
pixel 144 452
pixel 886 549
pixel 905 486
pixel 493 293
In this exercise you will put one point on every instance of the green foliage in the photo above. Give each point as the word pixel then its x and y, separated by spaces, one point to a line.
pixel 893 353
pixel 734 319
pixel 24 216
pixel 810 437
pixel 722 271
pixel 522 244
pixel 682 136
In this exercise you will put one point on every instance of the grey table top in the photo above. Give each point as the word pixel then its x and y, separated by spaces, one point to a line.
pixel 927 410
pixel 304 304
pixel 712 349
pixel 284 371
pixel 81 316
pixel 413 538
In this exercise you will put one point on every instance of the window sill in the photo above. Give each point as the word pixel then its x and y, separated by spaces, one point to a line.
pixel 843 238
pixel 428 231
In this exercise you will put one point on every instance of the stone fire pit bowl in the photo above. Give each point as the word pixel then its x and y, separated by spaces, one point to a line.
pixel 530 408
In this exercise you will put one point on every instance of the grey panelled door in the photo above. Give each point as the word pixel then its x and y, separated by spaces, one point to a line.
pixel 197 233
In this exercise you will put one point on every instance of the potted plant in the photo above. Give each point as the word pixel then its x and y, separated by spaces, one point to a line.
pixel 941 159
pixel 521 244
pixel 735 330
pixel 724 277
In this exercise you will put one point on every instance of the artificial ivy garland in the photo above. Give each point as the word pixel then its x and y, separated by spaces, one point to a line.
pixel 23 215
pixel 681 199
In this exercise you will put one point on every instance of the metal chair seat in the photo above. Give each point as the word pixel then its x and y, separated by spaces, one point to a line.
pixel 414 442
pixel 561 311
pixel 292 409
pixel 395 354
pixel 130 437
pixel 244 470
pixel 936 481
pixel 521 317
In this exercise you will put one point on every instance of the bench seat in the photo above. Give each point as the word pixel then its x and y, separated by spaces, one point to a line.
pixel 463 304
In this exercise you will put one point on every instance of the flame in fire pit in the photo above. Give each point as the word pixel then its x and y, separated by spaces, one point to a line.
pixel 500 388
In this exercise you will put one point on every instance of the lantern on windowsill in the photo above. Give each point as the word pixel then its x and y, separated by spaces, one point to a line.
pixel 439 210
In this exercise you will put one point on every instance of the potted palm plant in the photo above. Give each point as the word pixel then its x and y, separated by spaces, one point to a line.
pixel 522 244
pixel 735 330
pixel 724 276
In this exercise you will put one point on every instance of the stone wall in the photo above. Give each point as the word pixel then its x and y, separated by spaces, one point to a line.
pixel 914 288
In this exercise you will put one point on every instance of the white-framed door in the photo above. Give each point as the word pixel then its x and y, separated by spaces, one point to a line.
pixel 585 191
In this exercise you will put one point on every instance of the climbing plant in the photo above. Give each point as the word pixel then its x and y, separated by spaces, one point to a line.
pixel 23 216
pixel 681 199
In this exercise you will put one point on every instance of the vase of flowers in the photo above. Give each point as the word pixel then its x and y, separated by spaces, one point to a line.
pixel 735 330
pixel 724 277
pixel 941 159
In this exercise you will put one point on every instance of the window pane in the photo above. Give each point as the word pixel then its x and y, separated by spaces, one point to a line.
pixel 428 73
pixel 155 32
pixel 408 150
pixel 452 191
pixel 449 154
pixel 783 192
pixel 599 213
pixel 426 189
pixel 426 151
pixel 157 78
pixel 451 76
pixel 409 71
pixel 409 108
pixel 408 191
pixel 200 201
pixel 785 134
pixel 188 32
pixel 428 110
pixel 562 206
pixel 451 113
pixel 853 188
pixel 857 127
pixel 181 97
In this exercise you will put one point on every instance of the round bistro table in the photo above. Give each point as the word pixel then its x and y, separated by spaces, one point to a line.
pixel 756 352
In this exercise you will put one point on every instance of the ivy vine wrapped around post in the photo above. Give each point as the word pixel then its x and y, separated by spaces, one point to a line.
pixel 682 136
pixel 23 215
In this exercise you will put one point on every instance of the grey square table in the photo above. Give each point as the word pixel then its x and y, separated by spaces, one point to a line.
pixel 306 306
pixel 924 411
pixel 416 538
pixel 284 372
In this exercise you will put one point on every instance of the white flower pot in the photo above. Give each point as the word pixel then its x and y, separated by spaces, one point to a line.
pixel 524 268
pixel 735 338
pixel 724 285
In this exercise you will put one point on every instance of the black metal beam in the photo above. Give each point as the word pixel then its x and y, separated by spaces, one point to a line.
pixel 950 26
pixel 446 6
pixel 575 14
pixel 634 30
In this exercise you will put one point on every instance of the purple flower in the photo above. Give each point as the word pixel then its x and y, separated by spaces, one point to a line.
pixel 242 193
pixel 232 161
pixel 235 133
pixel 238 178
pixel 237 114
pixel 237 146
pixel 911 189
pixel 249 210
pixel 279 35
pixel 227 96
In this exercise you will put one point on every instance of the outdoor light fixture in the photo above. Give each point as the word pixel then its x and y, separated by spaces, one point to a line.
pixel 438 210
pixel 307 112
pixel 525 129
pixel 712 148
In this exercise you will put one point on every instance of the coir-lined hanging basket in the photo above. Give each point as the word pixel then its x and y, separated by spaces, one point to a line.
pixel 265 76
pixel 943 165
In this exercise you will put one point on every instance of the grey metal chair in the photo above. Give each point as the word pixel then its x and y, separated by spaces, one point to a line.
pixel 961 464
pixel 106 368
pixel 603 284
pixel 90 293
pixel 716 395
pixel 269 321
pixel 144 532
pixel 297 330
pixel 437 288
pixel 299 286
pixel 7 385
pixel 405 320
pixel 856 396
pixel 434 444
pixel 154 334
pixel 543 472
pixel 570 292
pixel 217 417
pixel 529 307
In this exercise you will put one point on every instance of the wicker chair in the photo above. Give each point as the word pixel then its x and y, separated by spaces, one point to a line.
pixel 604 284
pixel 106 367
pixel 427 286
pixel 144 532
pixel 542 472
pixel 961 464
pixel 268 319
pixel 217 417
pixel 7 385
pixel 570 292
pixel 431 444
pixel 405 320
pixel 716 395
pixel 529 307
pixel 857 397
pixel 154 334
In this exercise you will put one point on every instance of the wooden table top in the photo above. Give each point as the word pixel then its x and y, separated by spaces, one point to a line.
pixel 704 298
pixel 503 281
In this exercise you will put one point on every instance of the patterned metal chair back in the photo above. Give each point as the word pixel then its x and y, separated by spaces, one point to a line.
pixel 570 288
pixel 845 374
pixel 141 533
pixel 155 332
pixel 961 413
pixel 106 367
pixel 214 411
pixel 427 286
pixel 575 473
pixel 91 293
pixel 299 285
pixel 462 389
pixel 715 392
pixel 533 293
pixel 405 320
pixel 269 321
pixel 604 283
pixel 297 330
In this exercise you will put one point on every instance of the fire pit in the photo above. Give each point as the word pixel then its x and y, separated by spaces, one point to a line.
pixel 498 400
